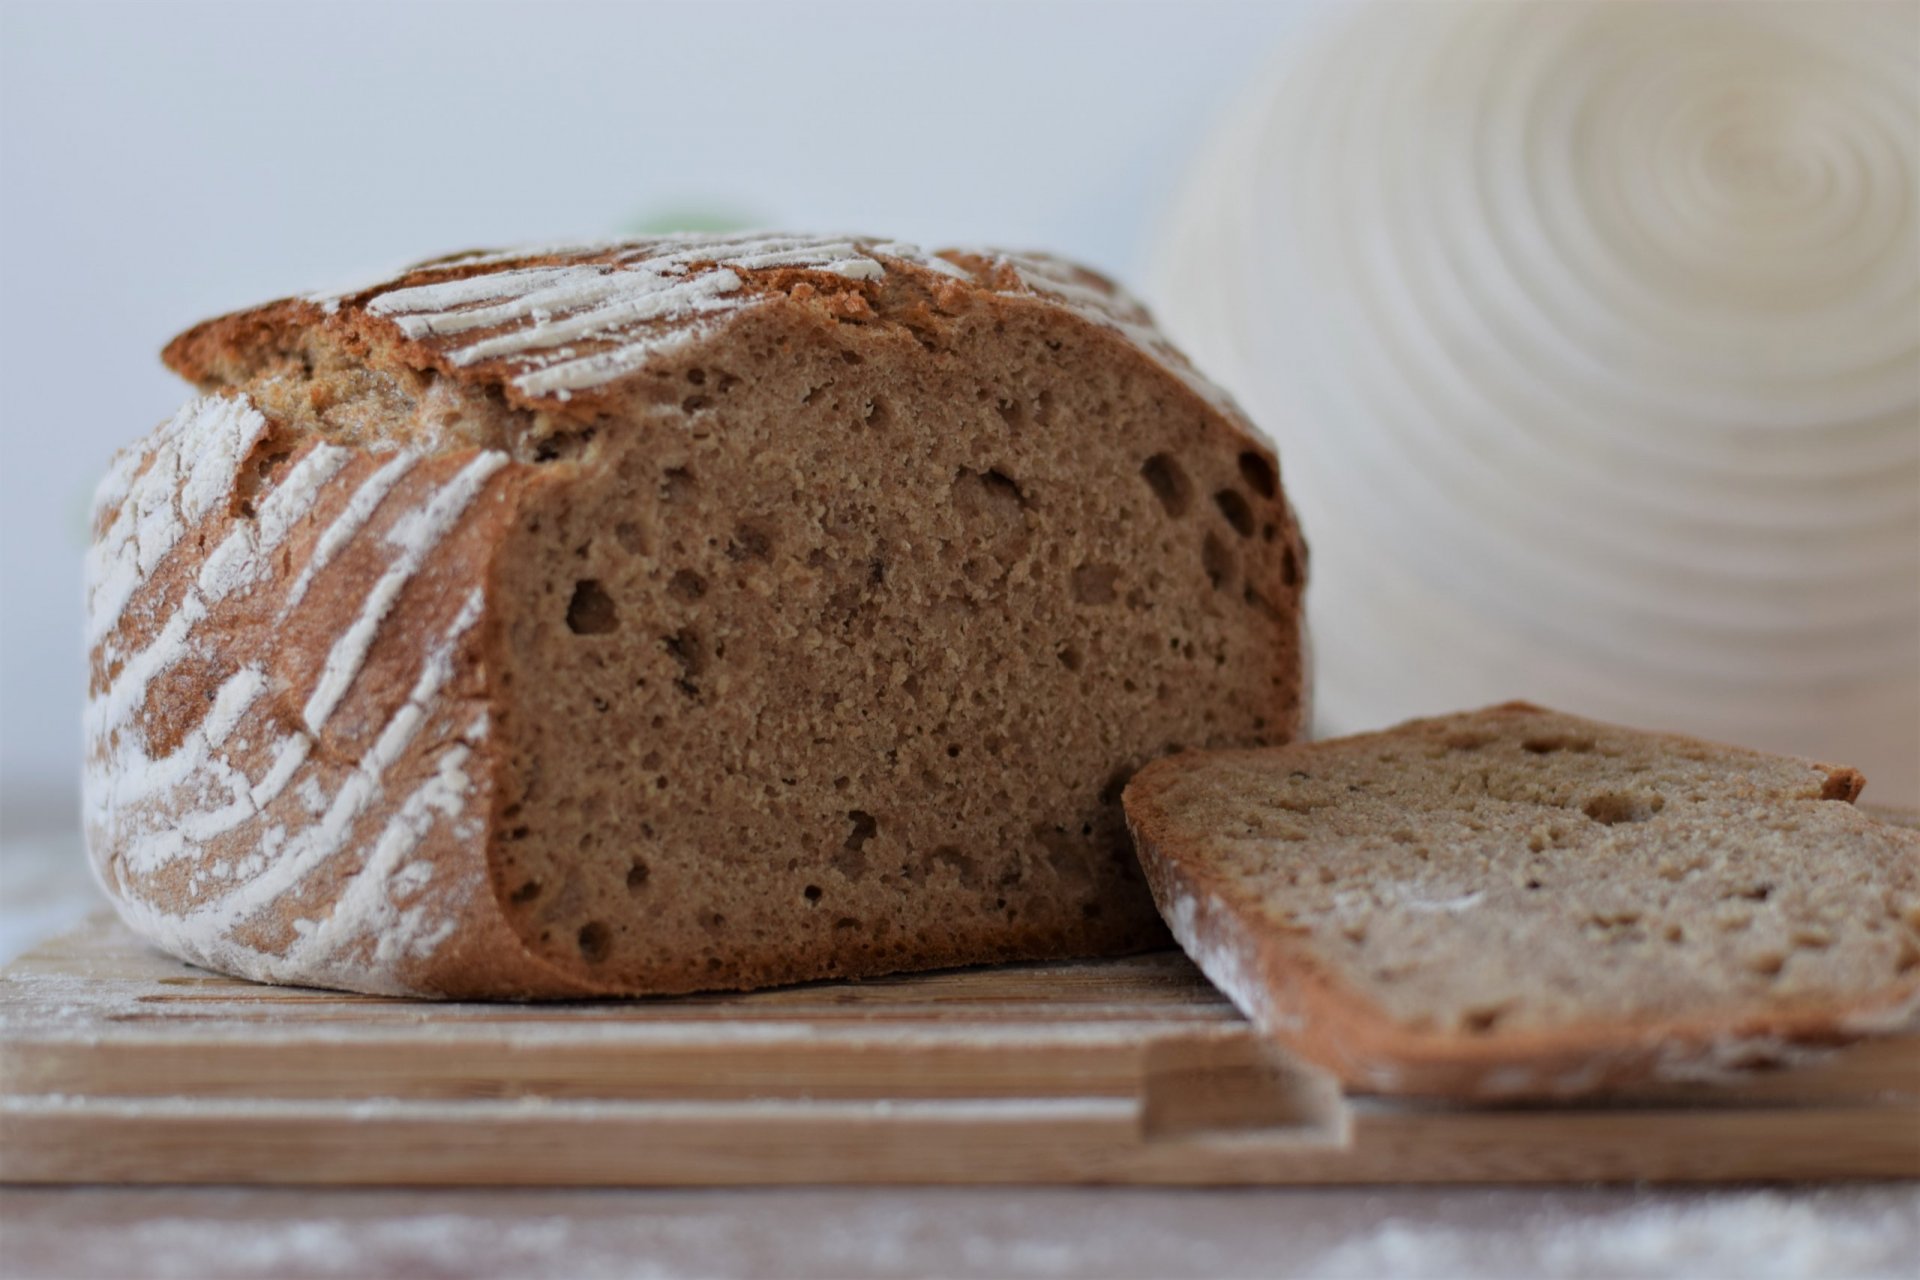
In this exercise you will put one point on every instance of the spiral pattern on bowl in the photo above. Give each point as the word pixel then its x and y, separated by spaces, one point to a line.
pixel 1590 337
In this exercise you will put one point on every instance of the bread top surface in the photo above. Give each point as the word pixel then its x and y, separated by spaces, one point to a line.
pixel 565 329
pixel 1518 877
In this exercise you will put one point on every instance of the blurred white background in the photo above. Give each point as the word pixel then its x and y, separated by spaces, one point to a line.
pixel 164 162
pixel 160 163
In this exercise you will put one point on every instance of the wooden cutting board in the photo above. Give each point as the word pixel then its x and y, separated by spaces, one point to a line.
pixel 121 1065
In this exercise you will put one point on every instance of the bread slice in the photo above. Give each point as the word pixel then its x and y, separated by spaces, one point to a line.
pixel 678 613
pixel 1514 902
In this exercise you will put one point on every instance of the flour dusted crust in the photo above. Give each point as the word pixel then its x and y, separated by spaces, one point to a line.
pixel 281 778
pixel 572 320
pixel 306 589
pixel 1517 903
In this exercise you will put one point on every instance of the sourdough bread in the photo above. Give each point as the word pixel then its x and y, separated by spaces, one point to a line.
pixel 1516 902
pixel 672 614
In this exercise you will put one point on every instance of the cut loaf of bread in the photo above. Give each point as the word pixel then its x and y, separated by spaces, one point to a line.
pixel 694 612
pixel 1514 902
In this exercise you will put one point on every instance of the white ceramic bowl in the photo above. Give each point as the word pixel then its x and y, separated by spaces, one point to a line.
pixel 1590 337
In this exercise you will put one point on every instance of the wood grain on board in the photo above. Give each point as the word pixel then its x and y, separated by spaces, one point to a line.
pixel 122 1065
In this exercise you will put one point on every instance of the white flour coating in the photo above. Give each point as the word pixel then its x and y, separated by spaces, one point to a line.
pixel 1225 966
pixel 533 315
pixel 640 299
pixel 210 803
pixel 365 501
pixel 191 462
pixel 415 534
pixel 368 907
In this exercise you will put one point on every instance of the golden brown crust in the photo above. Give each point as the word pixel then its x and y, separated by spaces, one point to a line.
pixel 1283 978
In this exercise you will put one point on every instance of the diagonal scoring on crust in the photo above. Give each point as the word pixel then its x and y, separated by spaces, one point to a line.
pixel 316 757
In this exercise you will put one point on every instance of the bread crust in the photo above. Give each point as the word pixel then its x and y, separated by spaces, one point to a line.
pixel 318 617
pixel 1281 980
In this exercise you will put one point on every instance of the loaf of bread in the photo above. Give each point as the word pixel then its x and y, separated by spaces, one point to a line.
pixel 1513 902
pixel 672 614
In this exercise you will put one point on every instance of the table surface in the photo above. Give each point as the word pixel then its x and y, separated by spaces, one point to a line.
pixel 212 1233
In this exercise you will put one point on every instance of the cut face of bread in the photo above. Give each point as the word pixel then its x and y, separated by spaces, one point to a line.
pixel 1514 902
pixel 671 615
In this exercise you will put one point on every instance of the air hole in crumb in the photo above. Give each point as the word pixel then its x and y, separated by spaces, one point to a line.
pixel 1094 584
pixel 1611 807
pixel 1169 483
pixel 1768 964
pixel 999 481
pixel 526 892
pixel 877 414
pixel 637 874
pixel 1533 884
pixel 1290 568
pixel 1234 507
pixel 694 404
pixel 812 893
pixel 1069 658
pixel 687 585
pixel 591 612
pixel 845 924
pixel 1217 560
pixel 750 543
pixel 1260 474
pixel 1259 602
pixel 1011 412
pixel 864 829
pixel 627 534
pixel 677 484
pixel 685 648
pixel 1758 893
pixel 596 942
